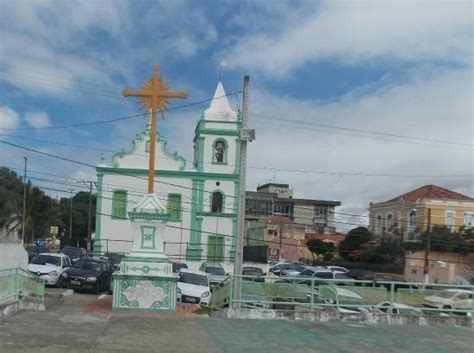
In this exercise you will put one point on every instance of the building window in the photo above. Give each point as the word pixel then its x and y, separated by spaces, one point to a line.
pixel 147 146
pixel 389 223
pixel 216 202
pixel 449 219
pixel 119 204
pixel 378 225
pixel 220 152
pixel 411 223
pixel 320 211
pixel 468 219
pixel 174 207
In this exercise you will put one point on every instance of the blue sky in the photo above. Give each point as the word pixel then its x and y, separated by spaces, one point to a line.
pixel 397 67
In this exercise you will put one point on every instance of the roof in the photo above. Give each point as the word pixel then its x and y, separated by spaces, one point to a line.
pixel 285 186
pixel 335 238
pixel 431 192
pixel 220 109
pixel 279 219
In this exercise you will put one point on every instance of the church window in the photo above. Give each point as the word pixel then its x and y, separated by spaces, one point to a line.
pixel 216 202
pixel 174 207
pixel 220 152
pixel 119 204
pixel 378 225
pixel 147 146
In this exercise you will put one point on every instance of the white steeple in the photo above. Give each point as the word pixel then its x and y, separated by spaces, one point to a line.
pixel 220 108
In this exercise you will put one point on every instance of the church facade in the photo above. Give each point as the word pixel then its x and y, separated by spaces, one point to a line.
pixel 201 197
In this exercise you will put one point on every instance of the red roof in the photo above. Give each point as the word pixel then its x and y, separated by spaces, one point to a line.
pixel 431 192
pixel 335 238
pixel 279 219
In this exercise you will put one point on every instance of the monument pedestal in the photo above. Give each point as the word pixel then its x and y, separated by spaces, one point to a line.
pixel 145 281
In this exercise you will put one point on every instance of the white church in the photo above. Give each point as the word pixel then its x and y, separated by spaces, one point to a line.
pixel 202 198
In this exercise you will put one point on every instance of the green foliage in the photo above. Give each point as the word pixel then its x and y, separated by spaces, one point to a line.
pixel 328 256
pixel 442 239
pixel 319 247
pixel 354 240
pixel 386 252
pixel 42 211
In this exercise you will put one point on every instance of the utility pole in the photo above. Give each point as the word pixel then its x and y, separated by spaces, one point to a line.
pixel 24 203
pixel 280 258
pixel 246 135
pixel 426 269
pixel 89 222
pixel 70 217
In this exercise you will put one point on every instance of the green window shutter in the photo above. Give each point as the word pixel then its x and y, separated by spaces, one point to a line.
pixel 119 204
pixel 174 207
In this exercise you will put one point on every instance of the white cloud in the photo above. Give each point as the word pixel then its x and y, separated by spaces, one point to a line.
pixel 355 31
pixel 9 119
pixel 37 119
pixel 437 107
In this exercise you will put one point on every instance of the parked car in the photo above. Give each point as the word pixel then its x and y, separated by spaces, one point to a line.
pixel 89 274
pixel 256 272
pixel 50 267
pixel 321 274
pixel 215 272
pixel 295 270
pixel 281 266
pixel 74 254
pixel 193 287
pixel 450 299
pixel 32 251
pixel 338 269
pixel 343 300
pixel 177 266
pixel 397 309
pixel 361 275
pixel 114 259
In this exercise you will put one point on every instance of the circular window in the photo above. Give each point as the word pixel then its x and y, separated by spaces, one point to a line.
pixel 218 183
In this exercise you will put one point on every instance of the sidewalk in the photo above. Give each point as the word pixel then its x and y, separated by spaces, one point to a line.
pixel 82 323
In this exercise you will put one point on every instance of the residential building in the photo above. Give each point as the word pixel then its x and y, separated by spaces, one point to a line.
pixel 409 214
pixel 278 233
pixel 277 199
pixel 201 199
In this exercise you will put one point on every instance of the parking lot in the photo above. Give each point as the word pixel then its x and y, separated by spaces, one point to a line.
pixel 84 323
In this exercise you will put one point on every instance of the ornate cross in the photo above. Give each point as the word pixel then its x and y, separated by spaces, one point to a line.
pixel 155 95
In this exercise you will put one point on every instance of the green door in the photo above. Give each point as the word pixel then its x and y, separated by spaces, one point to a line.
pixel 215 249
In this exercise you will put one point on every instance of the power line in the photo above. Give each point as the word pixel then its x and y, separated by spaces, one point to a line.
pixel 363 131
pixel 108 121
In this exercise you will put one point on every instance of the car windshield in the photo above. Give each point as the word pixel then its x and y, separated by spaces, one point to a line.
pixel 88 265
pixel 72 252
pixel 219 271
pixel 252 271
pixel 307 272
pixel 46 259
pixel 193 278
pixel 300 267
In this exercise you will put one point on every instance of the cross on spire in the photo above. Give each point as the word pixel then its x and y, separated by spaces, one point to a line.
pixel 155 95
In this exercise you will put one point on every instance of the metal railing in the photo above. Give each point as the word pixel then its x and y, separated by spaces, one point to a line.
pixel 18 284
pixel 346 296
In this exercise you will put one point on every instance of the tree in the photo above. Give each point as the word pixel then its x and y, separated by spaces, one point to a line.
pixel 317 246
pixel 354 241
pixel 387 251
pixel 443 239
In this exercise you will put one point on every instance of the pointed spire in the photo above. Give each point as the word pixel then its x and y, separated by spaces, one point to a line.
pixel 220 108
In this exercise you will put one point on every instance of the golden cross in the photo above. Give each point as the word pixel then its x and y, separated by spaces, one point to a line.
pixel 155 95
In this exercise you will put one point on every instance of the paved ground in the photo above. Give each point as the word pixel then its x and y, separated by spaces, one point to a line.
pixel 82 323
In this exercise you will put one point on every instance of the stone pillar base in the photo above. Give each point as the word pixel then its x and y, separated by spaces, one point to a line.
pixel 144 293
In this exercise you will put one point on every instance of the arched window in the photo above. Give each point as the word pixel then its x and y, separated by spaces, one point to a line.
pixel 378 225
pixel 389 223
pixel 216 202
pixel 411 222
pixel 220 152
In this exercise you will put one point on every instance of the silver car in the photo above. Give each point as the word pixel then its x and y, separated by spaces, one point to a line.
pixel 215 272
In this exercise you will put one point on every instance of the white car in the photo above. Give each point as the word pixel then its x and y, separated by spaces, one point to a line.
pixel 396 308
pixel 450 299
pixel 193 287
pixel 338 269
pixel 50 267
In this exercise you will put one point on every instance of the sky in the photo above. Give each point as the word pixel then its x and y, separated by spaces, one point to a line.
pixel 354 101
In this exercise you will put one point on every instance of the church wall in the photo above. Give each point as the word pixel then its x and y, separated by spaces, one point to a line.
pixel 210 164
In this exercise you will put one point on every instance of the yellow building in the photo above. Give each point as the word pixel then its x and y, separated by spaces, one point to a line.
pixel 408 214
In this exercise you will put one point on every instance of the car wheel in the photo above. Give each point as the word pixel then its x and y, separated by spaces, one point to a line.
pixel 60 282
pixel 97 288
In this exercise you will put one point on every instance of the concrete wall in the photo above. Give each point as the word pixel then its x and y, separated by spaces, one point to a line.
pixel 13 256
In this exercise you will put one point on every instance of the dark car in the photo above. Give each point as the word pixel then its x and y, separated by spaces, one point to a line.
pixel 256 273
pixel 114 259
pixel 278 268
pixel 178 266
pixel 361 275
pixel 74 253
pixel 89 274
